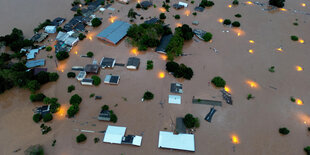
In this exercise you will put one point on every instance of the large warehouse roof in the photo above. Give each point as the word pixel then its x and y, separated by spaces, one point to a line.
pixel 115 32
pixel 180 141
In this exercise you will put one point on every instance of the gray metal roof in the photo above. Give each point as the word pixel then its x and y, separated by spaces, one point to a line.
pixel 176 88
pixel 133 61
pixel 35 63
pixel 164 41
pixel 107 62
pixel 91 68
pixel 180 126
pixel 115 32
pixel 88 80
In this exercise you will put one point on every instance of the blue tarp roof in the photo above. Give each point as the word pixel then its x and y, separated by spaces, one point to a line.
pixel 115 32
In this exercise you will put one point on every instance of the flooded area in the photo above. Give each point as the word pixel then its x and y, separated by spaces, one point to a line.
pixel 246 127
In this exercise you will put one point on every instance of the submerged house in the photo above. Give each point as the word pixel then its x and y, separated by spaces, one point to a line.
pixel 174 99
pixel 42 110
pixel 133 63
pixel 87 81
pixel 180 141
pixel 39 37
pixel 104 115
pixel 112 79
pixel 32 54
pixel 116 135
pixel 164 41
pixel 92 68
pixel 178 6
pixel 58 21
pixel 176 88
pixel 146 4
pixel 115 32
pixel 152 21
pixel 35 63
pixel 81 75
pixel 50 29
pixel 107 62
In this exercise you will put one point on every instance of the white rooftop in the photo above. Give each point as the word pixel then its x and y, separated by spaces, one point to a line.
pixel 180 141
pixel 137 141
pixel 174 99
pixel 114 134
pixel 184 4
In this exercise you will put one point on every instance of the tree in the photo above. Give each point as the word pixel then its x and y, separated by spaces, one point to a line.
pixel 71 88
pixel 190 121
pixel 172 66
pixel 206 3
pixel 33 85
pixel 62 55
pixel 188 73
pixel 227 22
pixel 96 22
pixel 75 99
pixel 284 131
pixel 207 37
pixel 131 14
pixel 235 24
pixel 73 109
pixel 307 150
pixel 162 16
pixel 19 67
pixel 37 97
pixel 53 76
pixel 294 38
pixel 34 150
pixel 47 117
pixel 81 138
pixel 235 2
pixel 138 6
pixel 277 3
pixel 37 117
pixel 82 36
pixel 238 15
pixel 219 82
pixel 71 75
pixel 185 31
pixel 177 16
pixel 113 117
pixel 96 80
pixel 148 95
pixel 48 48
pixel 42 77
pixel 90 54
pixel 105 107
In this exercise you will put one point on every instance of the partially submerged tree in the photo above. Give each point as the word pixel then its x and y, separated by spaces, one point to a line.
pixel 284 131
pixel 190 121
pixel 96 22
pixel 148 95
pixel 218 82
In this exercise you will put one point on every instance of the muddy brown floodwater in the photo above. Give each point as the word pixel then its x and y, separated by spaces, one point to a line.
pixel 254 123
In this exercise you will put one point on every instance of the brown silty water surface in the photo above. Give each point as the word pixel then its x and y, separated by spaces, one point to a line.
pixel 255 122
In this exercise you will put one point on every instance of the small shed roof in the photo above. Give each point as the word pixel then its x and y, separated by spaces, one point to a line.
pixel 146 4
pixel 174 99
pixel 183 3
pixel 87 80
pixel 32 54
pixel 114 134
pixel 115 32
pixel 180 126
pixel 180 141
pixel 151 21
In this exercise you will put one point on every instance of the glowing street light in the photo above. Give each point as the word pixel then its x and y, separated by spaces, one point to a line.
pixel 161 74
pixel 220 20
pixel 299 101
pixel 162 10
pixel 187 12
pixel 112 19
pixel 251 41
pixel 280 49
pixel 282 9
pixel 226 88
pixel 301 41
pixel 251 51
pixel 229 6
pixel 249 2
pixel 178 25
pixel 134 51
pixel 299 68
pixel 163 57
pixel 303 4
pixel 252 84
pixel 235 139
